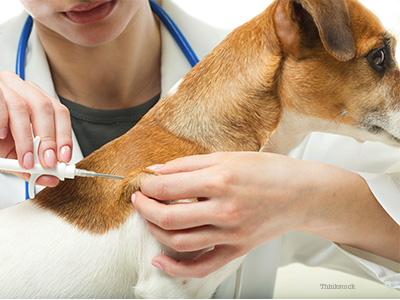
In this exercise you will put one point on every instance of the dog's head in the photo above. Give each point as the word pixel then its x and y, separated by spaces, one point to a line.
pixel 339 66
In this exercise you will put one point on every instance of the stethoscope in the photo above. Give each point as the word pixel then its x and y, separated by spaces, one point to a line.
pixel 156 8
pixel 172 28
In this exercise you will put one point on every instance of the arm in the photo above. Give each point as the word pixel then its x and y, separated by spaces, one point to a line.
pixel 351 215
pixel 247 199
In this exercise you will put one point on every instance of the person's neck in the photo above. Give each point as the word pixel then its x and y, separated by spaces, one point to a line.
pixel 122 73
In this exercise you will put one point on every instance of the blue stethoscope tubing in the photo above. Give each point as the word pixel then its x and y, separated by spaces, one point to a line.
pixel 22 45
pixel 156 8
pixel 20 63
pixel 175 32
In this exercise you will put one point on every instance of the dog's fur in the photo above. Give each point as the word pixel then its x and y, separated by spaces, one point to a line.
pixel 299 66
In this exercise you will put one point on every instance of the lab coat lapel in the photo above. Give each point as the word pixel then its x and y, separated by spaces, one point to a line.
pixel 10 32
pixel 200 34
pixel 174 65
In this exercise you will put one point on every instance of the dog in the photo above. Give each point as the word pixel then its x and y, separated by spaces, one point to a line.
pixel 299 66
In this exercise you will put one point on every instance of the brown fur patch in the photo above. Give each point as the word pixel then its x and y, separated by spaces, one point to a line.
pixel 97 204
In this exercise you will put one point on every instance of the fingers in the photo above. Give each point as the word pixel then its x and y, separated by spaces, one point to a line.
pixel 206 264
pixel 166 187
pixel 46 180
pixel 42 117
pixel 7 148
pixel 194 184
pixel 51 122
pixel 189 240
pixel 19 123
pixel 63 133
pixel 191 163
pixel 190 214
pixel 56 139
pixel 28 108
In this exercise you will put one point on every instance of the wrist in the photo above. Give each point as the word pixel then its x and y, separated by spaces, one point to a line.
pixel 327 198
pixel 302 193
pixel 333 210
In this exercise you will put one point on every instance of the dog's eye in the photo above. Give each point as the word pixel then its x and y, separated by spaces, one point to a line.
pixel 377 58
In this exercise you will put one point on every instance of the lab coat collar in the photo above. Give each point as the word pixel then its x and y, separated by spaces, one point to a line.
pixel 174 64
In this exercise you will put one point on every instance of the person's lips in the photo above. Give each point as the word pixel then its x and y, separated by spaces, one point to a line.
pixel 95 11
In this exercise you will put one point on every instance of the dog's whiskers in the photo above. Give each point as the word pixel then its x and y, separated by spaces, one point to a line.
pixel 335 121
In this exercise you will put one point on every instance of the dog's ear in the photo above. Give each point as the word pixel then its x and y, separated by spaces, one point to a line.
pixel 298 23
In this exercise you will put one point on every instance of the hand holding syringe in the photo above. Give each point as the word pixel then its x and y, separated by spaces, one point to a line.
pixel 61 170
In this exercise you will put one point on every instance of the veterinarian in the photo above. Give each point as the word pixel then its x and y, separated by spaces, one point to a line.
pixel 100 73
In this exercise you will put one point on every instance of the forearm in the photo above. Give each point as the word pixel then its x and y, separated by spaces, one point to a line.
pixel 349 214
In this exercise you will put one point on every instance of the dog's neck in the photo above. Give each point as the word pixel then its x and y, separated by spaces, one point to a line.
pixel 231 96
pixel 292 129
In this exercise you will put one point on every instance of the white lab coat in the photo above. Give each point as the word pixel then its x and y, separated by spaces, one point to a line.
pixel 374 161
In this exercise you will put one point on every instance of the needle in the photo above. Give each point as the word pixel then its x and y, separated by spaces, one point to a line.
pixel 85 173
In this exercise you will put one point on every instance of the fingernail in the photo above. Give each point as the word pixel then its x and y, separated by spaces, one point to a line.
pixel 155 167
pixel 27 160
pixel 50 158
pixel 3 133
pixel 65 154
pixel 133 198
pixel 157 265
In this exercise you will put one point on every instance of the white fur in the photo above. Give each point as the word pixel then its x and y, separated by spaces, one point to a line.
pixel 389 121
pixel 42 256
pixel 175 88
pixel 293 128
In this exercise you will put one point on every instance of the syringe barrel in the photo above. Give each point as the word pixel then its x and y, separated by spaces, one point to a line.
pixel 61 171
pixel 10 165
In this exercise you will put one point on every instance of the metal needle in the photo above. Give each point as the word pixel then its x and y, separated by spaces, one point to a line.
pixel 85 173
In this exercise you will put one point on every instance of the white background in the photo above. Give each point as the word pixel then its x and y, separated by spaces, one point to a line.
pixel 9 8
pixel 294 281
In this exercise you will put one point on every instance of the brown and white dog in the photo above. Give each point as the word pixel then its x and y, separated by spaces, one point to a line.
pixel 300 66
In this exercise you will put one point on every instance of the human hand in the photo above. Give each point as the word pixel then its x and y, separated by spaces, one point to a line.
pixel 245 200
pixel 26 108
